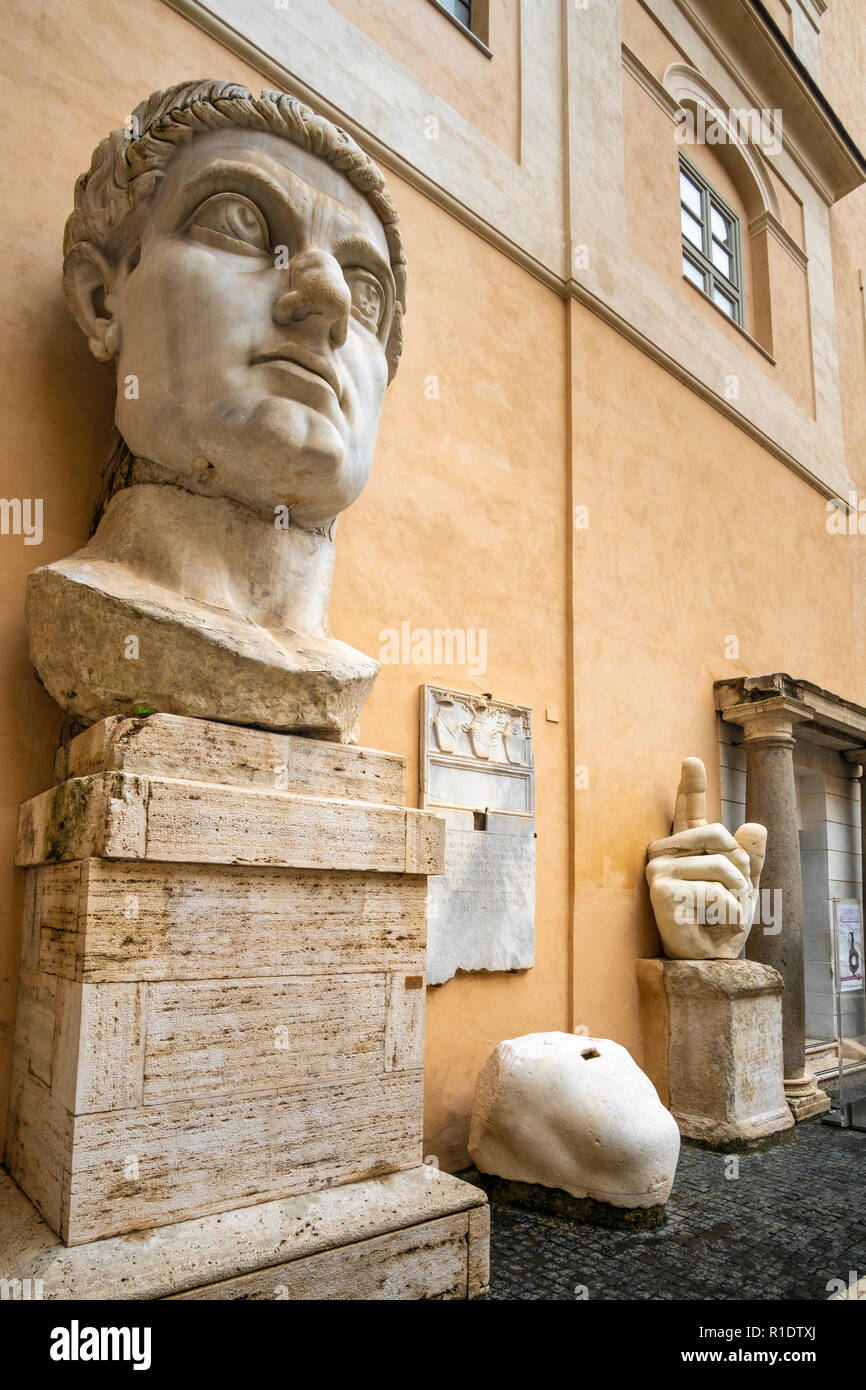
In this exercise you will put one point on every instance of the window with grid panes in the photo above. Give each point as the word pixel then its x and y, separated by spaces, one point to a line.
pixel 712 243
pixel 461 9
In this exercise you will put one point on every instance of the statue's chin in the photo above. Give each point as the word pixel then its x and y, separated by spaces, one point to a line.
pixel 274 452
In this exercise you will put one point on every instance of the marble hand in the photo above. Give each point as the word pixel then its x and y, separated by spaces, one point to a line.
pixel 703 880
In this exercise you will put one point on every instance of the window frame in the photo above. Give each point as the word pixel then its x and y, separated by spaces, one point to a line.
pixel 478 28
pixel 701 258
pixel 467 4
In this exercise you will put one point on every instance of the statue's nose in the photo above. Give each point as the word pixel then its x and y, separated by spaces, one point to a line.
pixel 316 287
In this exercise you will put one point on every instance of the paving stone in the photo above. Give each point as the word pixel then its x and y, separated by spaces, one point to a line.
pixel 792 1221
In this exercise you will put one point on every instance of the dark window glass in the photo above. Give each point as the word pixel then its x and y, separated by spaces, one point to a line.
pixel 461 9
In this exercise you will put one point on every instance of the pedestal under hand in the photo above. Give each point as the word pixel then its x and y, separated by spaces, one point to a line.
pixel 712 1023
pixel 713 1048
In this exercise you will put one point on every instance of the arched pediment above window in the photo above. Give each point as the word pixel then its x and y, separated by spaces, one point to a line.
pixel 746 161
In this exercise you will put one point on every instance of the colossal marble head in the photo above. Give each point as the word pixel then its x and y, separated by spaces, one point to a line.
pixel 239 262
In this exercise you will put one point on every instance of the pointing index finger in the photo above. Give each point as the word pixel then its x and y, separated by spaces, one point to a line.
pixel 691 804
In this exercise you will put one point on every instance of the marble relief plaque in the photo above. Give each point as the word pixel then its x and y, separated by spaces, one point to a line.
pixel 477 772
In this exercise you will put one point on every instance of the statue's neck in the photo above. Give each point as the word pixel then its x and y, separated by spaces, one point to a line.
pixel 218 552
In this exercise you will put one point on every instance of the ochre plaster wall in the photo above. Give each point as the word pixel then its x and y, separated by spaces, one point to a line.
pixel 696 536
pixel 464 524
pixel 484 89
pixel 654 232
pixel 843 63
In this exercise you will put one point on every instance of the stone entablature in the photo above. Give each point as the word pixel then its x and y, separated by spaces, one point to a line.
pixel 822 717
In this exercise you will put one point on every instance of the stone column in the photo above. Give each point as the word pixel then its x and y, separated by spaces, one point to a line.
pixel 771 800
pixel 858 755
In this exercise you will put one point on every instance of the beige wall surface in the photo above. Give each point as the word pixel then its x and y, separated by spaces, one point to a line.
pixel 780 11
pixel 485 90
pixel 511 407
pixel 653 225
pixel 843 64
pixel 696 537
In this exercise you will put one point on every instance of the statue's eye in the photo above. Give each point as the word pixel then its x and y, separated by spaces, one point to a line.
pixel 368 297
pixel 232 223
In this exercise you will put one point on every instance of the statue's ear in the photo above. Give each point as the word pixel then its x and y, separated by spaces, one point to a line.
pixel 88 278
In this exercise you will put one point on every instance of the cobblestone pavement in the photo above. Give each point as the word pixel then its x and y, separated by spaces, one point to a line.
pixel 794 1219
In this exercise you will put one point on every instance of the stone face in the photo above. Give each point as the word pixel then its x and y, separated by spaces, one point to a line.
pixel 204 589
pixel 713 1047
pixel 577 1114
pixel 477 771
pixel 703 881
pixel 222 1000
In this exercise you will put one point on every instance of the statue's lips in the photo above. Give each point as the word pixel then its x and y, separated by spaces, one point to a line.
pixel 308 361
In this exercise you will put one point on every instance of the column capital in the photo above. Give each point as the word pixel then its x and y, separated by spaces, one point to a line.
pixel 769 721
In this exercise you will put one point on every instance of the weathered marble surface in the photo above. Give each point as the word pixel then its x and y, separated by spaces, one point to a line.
pixel 414 1234
pixel 713 1047
pixel 477 770
pixel 117 815
pixel 481 911
pixel 201 751
pixel 222 983
pixel 577 1114
pixel 703 881
pixel 237 259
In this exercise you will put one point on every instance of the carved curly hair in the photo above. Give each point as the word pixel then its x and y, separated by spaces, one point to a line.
pixel 128 166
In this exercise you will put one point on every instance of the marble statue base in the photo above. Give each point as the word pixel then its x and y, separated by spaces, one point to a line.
pixel 233 669
pixel 221 999
pixel 417 1234
pixel 712 1032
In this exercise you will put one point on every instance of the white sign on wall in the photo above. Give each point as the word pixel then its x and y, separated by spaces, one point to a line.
pixel 849 945
pixel 477 772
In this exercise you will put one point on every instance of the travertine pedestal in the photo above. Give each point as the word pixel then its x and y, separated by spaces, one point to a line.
pixel 222 997
pixel 712 1033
